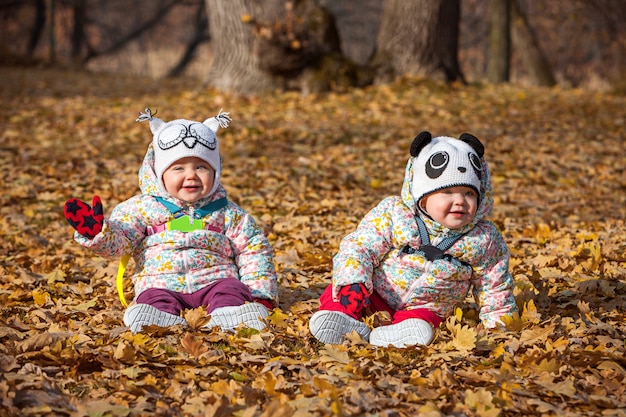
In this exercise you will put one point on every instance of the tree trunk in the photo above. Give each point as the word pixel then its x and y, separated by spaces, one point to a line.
pixel 201 35
pixel 525 43
pixel 79 8
pixel 38 27
pixel 261 46
pixel 418 37
pixel 235 67
pixel 499 56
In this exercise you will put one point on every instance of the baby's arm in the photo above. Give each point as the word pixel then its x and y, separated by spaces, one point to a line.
pixel 254 257
pixel 123 231
pixel 361 251
pixel 492 282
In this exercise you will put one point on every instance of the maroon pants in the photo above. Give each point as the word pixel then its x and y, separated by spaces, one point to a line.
pixel 378 304
pixel 221 293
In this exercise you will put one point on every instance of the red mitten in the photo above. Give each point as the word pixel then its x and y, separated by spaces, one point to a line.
pixel 354 298
pixel 266 303
pixel 86 220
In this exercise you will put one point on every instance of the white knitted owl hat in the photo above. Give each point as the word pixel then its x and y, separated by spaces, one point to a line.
pixel 444 162
pixel 183 138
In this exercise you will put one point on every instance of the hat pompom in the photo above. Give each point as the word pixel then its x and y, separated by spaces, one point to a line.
pixel 155 122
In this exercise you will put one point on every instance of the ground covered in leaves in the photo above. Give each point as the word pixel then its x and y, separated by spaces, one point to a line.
pixel 308 168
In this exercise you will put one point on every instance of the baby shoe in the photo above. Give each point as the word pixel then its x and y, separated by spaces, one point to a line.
pixel 331 326
pixel 408 332
pixel 139 315
pixel 250 314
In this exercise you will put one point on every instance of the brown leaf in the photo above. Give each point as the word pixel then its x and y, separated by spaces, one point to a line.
pixel 192 346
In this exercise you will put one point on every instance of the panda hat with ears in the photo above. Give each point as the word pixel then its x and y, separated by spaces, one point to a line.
pixel 444 162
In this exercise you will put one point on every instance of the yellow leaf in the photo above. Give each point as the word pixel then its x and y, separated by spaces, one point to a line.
pixel 430 409
pixel 332 353
pixel 40 297
pixel 376 183
pixel 536 334
pixel 612 366
pixel 86 305
pixel 513 322
pixel 458 314
pixel 222 387
pixel 277 317
pixel 565 387
pixel 55 276
pixel 499 350
pixel 124 352
pixel 481 402
pixel 547 365
pixel 464 338
pixel 530 314
pixel 196 318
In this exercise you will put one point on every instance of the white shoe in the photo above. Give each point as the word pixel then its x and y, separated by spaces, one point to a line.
pixel 406 333
pixel 250 314
pixel 139 315
pixel 331 326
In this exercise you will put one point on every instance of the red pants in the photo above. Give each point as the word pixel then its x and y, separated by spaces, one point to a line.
pixel 378 304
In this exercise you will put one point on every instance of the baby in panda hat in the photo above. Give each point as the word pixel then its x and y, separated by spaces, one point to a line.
pixel 192 247
pixel 416 256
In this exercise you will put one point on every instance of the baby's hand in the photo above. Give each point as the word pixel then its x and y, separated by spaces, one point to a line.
pixel 86 220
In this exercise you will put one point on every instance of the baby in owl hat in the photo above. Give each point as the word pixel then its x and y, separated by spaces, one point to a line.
pixel 416 256
pixel 192 247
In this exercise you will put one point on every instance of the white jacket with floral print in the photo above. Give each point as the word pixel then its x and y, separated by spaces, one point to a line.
pixel 479 260
pixel 231 245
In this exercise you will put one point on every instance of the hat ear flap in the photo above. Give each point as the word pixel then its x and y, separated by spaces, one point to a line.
pixel 422 139
pixel 473 141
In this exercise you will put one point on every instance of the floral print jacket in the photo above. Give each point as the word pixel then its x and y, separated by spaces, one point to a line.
pixel 372 255
pixel 231 245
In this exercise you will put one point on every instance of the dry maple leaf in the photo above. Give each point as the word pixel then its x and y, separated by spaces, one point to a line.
pixel 196 318
pixel 463 337
pixel 192 346
pixel 333 353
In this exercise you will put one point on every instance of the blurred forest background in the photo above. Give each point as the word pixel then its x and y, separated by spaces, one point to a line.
pixel 581 41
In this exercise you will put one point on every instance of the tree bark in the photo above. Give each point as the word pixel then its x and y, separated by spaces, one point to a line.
pixel 499 56
pixel 525 43
pixel 235 67
pixel 261 46
pixel 38 27
pixel 201 35
pixel 418 37
pixel 134 34
pixel 79 8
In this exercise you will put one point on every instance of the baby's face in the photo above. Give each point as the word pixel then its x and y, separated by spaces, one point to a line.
pixel 189 179
pixel 452 207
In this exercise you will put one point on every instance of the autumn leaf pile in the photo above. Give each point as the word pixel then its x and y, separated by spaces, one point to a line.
pixel 308 168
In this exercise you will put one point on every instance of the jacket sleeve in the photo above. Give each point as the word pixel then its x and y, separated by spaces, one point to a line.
pixel 492 282
pixel 361 251
pixel 123 231
pixel 253 256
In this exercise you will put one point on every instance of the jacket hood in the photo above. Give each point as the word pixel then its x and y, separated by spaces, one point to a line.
pixel 484 208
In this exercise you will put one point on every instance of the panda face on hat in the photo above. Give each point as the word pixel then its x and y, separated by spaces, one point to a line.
pixel 444 162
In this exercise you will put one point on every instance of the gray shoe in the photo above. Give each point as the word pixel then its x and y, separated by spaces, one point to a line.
pixel 139 315
pixel 331 326
pixel 406 333
pixel 228 318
